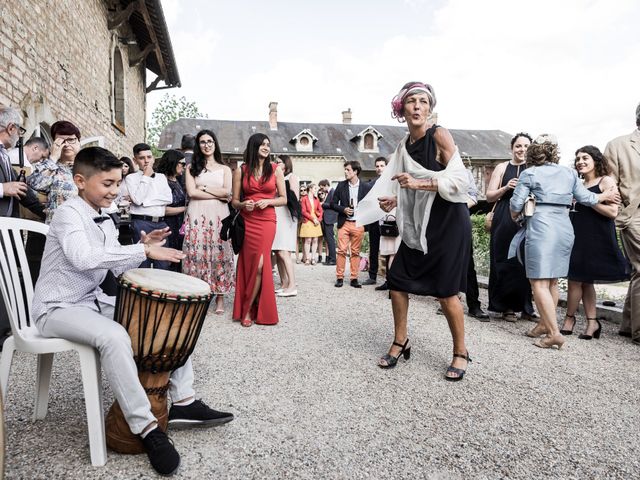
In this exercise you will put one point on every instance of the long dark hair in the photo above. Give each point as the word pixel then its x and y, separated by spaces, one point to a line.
pixel 250 157
pixel 599 162
pixel 199 161
pixel 168 164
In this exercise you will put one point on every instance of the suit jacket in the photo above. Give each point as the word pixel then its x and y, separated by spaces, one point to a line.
pixel 329 215
pixel 30 200
pixel 623 156
pixel 306 209
pixel 340 199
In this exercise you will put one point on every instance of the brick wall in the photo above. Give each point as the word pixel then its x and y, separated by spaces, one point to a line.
pixel 55 63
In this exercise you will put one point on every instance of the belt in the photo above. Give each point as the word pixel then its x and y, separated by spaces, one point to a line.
pixel 347 220
pixel 148 218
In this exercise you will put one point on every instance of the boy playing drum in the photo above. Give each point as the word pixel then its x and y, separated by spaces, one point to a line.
pixel 81 247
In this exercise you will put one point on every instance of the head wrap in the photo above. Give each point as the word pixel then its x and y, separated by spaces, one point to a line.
pixel 411 88
pixel 63 127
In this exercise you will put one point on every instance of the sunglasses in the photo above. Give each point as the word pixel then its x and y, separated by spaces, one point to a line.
pixel 182 162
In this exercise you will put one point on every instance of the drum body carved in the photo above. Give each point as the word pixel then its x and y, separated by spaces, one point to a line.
pixel 163 312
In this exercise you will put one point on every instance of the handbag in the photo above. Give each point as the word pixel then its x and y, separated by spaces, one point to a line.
pixel 233 229
pixel 488 219
pixel 388 227
pixel 529 206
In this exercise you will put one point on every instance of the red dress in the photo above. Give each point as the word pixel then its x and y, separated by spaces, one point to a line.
pixel 260 229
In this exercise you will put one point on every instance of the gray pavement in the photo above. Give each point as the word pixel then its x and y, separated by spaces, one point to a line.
pixel 310 401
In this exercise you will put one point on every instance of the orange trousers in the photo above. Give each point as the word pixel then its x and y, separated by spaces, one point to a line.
pixel 349 235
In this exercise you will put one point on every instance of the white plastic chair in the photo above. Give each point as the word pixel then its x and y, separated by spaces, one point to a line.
pixel 15 283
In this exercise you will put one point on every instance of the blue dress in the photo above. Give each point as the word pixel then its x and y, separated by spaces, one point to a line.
pixel 548 234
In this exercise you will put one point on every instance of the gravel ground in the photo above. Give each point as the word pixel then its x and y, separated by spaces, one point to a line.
pixel 310 401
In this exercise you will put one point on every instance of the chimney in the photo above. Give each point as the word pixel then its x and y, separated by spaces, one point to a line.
pixel 346 117
pixel 273 115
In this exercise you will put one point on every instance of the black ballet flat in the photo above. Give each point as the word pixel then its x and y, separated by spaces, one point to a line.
pixel 392 361
pixel 458 371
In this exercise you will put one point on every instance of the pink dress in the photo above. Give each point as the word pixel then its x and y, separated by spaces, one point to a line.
pixel 208 257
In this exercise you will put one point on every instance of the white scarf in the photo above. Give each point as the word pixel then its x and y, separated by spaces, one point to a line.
pixel 414 206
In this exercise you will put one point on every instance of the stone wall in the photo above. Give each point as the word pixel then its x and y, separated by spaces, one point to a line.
pixel 56 63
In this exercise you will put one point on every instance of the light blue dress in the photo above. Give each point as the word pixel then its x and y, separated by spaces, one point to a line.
pixel 548 234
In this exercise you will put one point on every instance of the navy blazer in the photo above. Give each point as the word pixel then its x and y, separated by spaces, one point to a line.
pixel 340 199
pixel 329 215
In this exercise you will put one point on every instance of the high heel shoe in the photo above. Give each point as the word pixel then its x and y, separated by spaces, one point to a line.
pixel 536 331
pixel 550 342
pixel 458 371
pixel 596 333
pixel 564 331
pixel 390 360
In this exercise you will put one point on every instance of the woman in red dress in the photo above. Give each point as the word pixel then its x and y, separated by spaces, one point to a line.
pixel 261 187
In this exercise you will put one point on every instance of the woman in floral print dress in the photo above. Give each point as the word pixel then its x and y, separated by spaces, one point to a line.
pixel 208 183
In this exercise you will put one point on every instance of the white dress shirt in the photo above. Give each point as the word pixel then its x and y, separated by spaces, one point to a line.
pixel 353 195
pixel 77 255
pixel 149 195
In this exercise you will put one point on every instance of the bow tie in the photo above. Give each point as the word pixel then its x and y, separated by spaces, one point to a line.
pixel 101 219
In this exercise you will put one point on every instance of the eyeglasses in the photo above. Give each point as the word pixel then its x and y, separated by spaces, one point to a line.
pixel 70 141
pixel 21 130
pixel 206 143
pixel 182 163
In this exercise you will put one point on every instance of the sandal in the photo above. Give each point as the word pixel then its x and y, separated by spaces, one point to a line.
pixel 565 331
pixel 509 317
pixel 536 331
pixel 457 371
pixel 390 361
pixel 246 322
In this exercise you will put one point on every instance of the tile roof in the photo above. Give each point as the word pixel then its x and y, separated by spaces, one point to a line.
pixel 334 139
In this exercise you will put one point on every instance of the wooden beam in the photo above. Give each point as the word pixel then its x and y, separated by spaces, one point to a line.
pixel 152 35
pixel 137 59
pixel 118 18
pixel 152 86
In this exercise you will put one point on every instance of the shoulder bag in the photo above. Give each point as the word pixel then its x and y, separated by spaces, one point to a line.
pixel 233 225
pixel 488 219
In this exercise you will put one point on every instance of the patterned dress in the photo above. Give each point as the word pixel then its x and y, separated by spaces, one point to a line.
pixel 55 180
pixel 208 257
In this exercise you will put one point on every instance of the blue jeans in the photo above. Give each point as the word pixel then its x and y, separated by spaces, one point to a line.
pixel 138 225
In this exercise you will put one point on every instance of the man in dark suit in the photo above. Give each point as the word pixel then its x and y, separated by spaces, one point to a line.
pixel 329 219
pixel 374 230
pixel 13 193
pixel 345 199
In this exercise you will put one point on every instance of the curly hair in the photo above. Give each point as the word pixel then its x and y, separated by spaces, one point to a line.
pixel 518 135
pixel 541 153
pixel 599 162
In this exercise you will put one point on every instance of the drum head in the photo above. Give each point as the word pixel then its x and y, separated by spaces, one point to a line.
pixel 165 282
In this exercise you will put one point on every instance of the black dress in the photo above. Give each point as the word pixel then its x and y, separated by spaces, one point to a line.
pixel 509 288
pixel 442 272
pixel 175 221
pixel 596 256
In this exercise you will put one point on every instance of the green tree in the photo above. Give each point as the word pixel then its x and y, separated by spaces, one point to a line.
pixel 169 109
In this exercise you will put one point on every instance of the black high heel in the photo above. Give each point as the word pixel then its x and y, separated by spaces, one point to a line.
pixel 458 371
pixel 392 361
pixel 596 333
pixel 569 332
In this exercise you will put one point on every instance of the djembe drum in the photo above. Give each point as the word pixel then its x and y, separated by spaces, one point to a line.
pixel 163 312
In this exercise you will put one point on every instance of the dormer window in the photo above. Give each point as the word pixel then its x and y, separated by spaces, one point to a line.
pixel 367 140
pixel 304 141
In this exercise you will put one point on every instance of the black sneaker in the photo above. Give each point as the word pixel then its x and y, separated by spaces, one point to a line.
pixel 163 456
pixel 197 414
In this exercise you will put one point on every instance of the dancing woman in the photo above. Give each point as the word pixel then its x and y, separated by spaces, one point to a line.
pixel 258 187
pixel 433 220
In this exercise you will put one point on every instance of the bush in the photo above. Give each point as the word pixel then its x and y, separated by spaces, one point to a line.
pixel 481 240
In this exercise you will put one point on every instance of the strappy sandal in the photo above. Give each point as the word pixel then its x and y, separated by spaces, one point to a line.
pixel 458 371
pixel 563 330
pixel 390 360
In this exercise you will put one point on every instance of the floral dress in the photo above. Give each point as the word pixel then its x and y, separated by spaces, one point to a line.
pixel 208 257
pixel 55 180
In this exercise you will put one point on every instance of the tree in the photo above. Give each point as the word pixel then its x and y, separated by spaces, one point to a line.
pixel 169 109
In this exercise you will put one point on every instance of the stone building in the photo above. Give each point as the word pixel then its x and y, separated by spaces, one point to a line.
pixel 86 61
pixel 319 150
